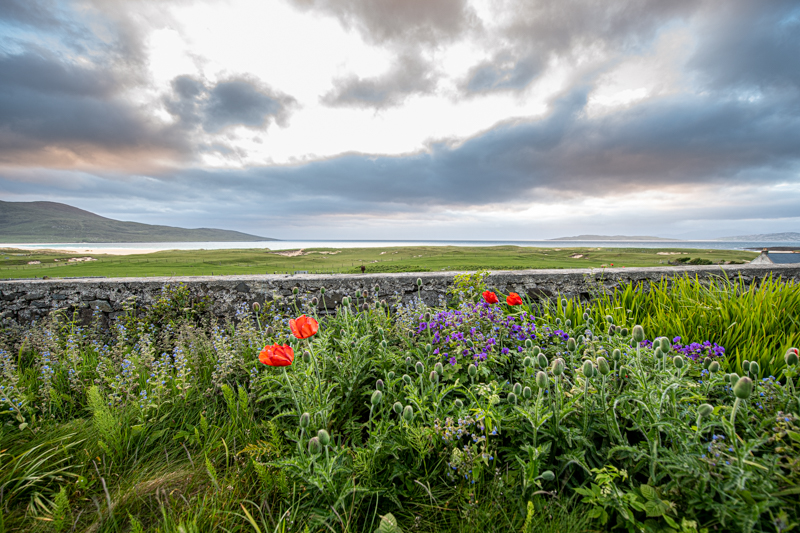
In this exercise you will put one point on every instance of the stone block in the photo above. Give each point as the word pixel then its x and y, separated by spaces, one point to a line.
pixel 100 305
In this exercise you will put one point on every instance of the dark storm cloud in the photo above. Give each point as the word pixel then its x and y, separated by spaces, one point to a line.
pixel 409 75
pixel 238 101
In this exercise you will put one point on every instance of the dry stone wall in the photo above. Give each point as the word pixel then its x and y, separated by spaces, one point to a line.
pixel 22 301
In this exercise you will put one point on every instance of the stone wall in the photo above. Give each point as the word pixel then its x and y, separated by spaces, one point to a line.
pixel 25 300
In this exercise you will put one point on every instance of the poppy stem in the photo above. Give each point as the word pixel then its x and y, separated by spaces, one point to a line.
pixel 294 397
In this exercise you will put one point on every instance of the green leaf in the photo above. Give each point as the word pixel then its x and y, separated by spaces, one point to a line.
pixel 653 509
pixel 648 492
pixel 671 522
pixel 388 524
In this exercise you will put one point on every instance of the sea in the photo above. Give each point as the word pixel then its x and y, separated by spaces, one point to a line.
pixel 149 247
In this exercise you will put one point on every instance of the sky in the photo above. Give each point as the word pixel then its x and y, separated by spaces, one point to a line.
pixel 408 119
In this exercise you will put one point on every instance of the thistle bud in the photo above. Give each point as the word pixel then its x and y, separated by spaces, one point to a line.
pixel 408 413
pixel 677 361
pixel 433 377
pixel 541 379
pixel 306 356
pixel 472 370
pixel 610 319
pixel 314 446
pixel 324 437
pixel 571 346
pixel 517 389
pixel 754 368
pixel 638 333
pixel 536 350
pixel 305 419
pixel 743 388
pixel 527 362
pixel 706 362
pixel 713 367
pixel 666 344
pixel 438 368
pixel 459 404
pixel 587 369
pixel 376 398
pixel 558 367
pixel 528 344
pixel 527 393
pixel 407 379
pixel 791 357
pixel 390 375
pixel 568 323
pixel 745 366
pixel 543 360
pixel 512 398
pixel 256 307
pixel 602 366
pixel 379 385
pixel 419 367
pixel 624 332
pixel 616 355
pixel 548 475
pixel 705 409
pixel 419 282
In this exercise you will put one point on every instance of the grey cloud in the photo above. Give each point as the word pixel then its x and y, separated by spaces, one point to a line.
pixel 231 102
pixel 409 75
pixel 504 71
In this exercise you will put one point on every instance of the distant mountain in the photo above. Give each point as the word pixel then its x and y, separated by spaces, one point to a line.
pixel 54 222
pixel 611 238
pixel 765 237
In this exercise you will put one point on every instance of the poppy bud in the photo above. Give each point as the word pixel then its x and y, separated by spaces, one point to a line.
pixel 270 331
pixel 528 344
pixel 376 398
pixel 527 393
pixel 384 344
pixel 638 333
pixel 408 413
pixel 541 379
pixel 428 348
pixel 314 301
pixel 419 282
pixel 379 385
pixel 305 418
pixel 713 367
pixel 743 388
pixel 433 377
pixel 324 437
pixel 610 319
pixel 377 288
pixel 706 362
pixel 256 307
pixel 306 356
pixel 419 367
pixel 322 290
pixel 314 446
pixel 568 323
pixel 666 344
pixel 470 344
pixel 390 375
pixel 734 379
pixel 543 360
pixel 754 368
pixel 358 294
pixel 548 475
pixel 527 362
pixel 602 366
pixel 558 321
pixel 624 332
pixel 512 398
pixel 611 331
pixel 397 407
pixel 791 357
pixel 581 340
pixel 407 379
pixel 726 378
pixel 409 361
pixel 517 389
pixel 590 321
pixel 745 366
pixel 438 368
pixel 365 306
pixel 705 410
pixel 658 353
pixel 564 302
pixel 587 369
pixel 677 361
pixel 384 304
pixel 458 403
pixel 536 350
pixel 558 367
pixel 616 355
pixel 427 317
pixel 472 370
pixel 585 316
pixel 571 344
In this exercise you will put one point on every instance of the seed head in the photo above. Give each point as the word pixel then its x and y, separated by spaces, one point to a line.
pixel 323 437
pixel 743 388
pixel 638 333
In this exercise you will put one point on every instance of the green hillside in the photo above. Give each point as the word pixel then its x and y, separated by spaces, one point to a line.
pixel 53 222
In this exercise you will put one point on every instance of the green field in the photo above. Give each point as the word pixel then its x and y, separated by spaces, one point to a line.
pixel 14 263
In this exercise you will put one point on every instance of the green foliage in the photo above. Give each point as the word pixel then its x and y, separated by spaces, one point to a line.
pixel 468 286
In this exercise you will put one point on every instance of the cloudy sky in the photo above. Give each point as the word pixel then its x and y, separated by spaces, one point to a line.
pixel 407 119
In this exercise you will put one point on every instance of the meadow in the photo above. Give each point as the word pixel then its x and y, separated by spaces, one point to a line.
pixel 14 263
pixel 491 413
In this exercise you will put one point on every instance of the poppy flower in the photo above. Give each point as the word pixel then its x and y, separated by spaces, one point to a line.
pixel 277 355
pixel 304 327
pixel 490 298
pixel 513 299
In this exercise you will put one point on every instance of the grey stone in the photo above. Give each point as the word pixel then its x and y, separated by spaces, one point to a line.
pixel 242 287
pixel 11 296
pixel 101 305
pixel 33 296
pixel 59 296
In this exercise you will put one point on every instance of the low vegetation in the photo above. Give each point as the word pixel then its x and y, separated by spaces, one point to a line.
pixel 14 263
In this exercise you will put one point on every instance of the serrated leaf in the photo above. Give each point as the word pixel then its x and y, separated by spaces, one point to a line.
pixel 648 492
pixel 653 509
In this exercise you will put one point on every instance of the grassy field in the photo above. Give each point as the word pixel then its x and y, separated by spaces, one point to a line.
pixel 14 263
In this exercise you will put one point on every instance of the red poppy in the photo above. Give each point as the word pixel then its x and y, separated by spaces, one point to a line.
pixel 304 327
pixel 490 298
pixel 277 355
pixel 513 299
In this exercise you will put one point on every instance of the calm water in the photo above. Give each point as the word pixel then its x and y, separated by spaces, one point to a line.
pixel 145 247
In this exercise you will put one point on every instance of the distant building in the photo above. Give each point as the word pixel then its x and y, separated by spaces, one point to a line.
pixel 776 258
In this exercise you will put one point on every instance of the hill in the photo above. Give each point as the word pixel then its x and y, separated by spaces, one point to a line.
pixel 790 236
pixel 55 222
pixel 611 238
